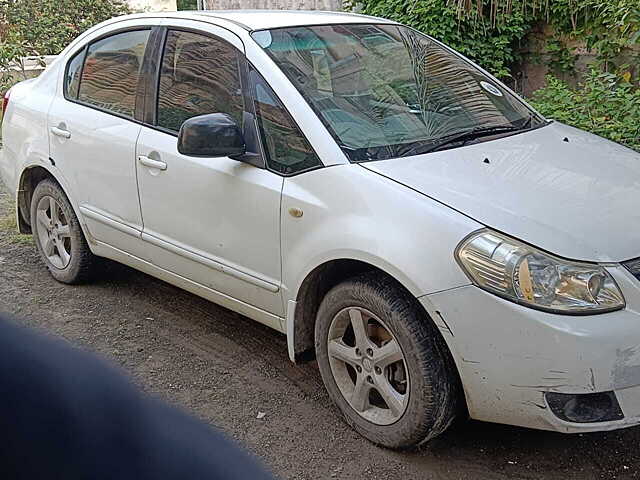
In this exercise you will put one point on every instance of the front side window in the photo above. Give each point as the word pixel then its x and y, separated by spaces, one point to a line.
pixel 287 150
pixel 198 75
pixel 386 91
pixel 112 70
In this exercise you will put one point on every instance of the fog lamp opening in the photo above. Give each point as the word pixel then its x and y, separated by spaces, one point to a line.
pixel 585 408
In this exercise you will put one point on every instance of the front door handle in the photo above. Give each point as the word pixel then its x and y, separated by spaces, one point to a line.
pixel 151 163
pixel 59 132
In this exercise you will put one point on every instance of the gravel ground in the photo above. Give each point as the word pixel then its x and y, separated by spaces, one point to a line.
pixel 224 368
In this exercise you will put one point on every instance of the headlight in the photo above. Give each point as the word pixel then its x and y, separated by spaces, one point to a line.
pixel 526 275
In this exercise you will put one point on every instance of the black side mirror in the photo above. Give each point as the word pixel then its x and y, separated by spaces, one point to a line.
pixel 211 135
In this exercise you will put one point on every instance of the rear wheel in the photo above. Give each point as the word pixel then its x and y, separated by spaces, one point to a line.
pixel 384 363
pixel 58 235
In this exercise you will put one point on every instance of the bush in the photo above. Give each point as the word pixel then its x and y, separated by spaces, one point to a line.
pixel 490 43
pixel 491 32
pixel 47 26
pixel 12 49
pixel 187 4
pixel 604 104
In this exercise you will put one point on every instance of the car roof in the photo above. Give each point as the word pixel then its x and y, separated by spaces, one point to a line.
pixel 265 19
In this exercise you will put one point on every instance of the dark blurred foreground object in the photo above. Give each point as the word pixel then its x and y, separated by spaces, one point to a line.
pixel 66 415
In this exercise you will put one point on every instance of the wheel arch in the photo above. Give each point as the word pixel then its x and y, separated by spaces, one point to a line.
pixel 30 177
pixel 318 282
pixel 313 288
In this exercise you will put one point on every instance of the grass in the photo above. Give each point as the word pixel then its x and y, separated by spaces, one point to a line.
pixel 8 226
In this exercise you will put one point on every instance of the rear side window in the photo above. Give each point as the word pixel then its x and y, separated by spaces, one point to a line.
pixel 112 70
pixel 287 150
pixel 198 75
pixel 72 77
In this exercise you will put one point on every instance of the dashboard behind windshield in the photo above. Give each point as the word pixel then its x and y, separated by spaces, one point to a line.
pixel 382 90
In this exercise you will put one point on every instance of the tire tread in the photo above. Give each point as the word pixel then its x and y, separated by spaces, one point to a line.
pixel 420 339
pixel 83 261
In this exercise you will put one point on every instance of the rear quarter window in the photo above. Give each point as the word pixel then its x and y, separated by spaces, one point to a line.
pixel 72 75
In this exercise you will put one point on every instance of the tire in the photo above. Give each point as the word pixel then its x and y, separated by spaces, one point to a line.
pixel 62 231
pixel 429 396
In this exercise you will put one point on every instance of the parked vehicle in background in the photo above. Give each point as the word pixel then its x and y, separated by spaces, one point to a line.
pixel 393 209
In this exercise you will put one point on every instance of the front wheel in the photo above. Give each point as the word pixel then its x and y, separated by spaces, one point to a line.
pixel 384 363
pixel 58 235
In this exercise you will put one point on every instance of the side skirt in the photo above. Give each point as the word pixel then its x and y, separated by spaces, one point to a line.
pixel 103 250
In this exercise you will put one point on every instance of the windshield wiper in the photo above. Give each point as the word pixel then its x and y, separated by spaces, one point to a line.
pixel 464 136
pixel 366 154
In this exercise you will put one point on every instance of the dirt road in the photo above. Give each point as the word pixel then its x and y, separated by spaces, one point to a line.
pixel 225 369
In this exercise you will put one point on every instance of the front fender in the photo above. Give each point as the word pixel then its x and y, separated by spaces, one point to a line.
pixel 349 212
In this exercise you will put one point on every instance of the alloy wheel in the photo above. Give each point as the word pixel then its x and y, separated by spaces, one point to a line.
pixel 54 232
pixel 368 365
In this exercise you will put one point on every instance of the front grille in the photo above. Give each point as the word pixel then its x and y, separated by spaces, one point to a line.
pixel 633 266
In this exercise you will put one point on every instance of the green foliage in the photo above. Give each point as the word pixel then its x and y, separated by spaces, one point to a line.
pixel 49 25
pixel 12 49
pixel 608 28
pixel 45 27
pixel 187 4
pixel 561 58
pixel 491 44
pixel 604 104
pixel 491 31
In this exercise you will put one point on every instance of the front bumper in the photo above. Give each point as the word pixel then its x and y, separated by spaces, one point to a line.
pixel 509 356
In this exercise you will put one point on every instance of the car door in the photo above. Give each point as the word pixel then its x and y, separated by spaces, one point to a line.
pixel 215 221
pixel 93 133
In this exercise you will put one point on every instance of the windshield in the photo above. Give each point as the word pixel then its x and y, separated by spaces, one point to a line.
pixel 385 91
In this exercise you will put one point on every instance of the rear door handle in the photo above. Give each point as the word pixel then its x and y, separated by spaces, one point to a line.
pixel 151 163
pixel 59 132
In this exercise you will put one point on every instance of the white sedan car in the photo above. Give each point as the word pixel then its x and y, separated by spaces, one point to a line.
pixel 403 217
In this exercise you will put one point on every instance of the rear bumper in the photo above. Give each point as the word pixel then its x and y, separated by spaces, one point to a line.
pixel 8 169
pixel 509 356
pixel 4 171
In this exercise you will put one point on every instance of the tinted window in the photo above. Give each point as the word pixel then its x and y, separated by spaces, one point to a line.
pixel 112 70
pixel 199 75
pixel 287 150
pixel 72 78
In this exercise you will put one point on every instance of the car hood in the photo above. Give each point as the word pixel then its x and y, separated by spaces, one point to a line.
pixel 558 188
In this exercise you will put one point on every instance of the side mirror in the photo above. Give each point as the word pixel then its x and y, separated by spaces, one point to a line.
pixel 211 135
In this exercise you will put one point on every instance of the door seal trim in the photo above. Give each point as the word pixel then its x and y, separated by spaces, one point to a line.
pixel 211 263
pixel 255 313
pixel 110 222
